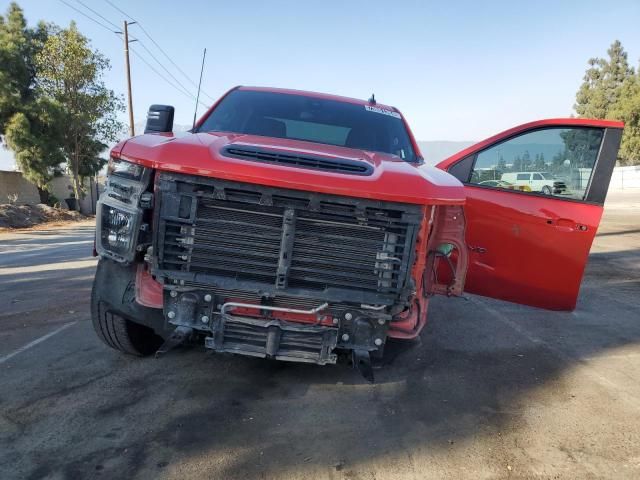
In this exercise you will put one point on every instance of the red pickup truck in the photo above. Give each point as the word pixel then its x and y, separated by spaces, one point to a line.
pixel 301 226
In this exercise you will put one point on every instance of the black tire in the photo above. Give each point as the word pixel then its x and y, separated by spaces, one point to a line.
pixel 124 335
pixel 546 190
pixel 114 327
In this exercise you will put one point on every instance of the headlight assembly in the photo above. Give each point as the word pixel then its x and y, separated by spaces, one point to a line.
pixel 124 169
pixel 119 214
pixel 118 232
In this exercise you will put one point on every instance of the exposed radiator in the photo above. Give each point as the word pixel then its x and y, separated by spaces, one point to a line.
pixel 272 241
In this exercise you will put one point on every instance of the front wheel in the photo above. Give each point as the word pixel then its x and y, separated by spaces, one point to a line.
pixel 546 190
pixel 117 319
pixel 122 334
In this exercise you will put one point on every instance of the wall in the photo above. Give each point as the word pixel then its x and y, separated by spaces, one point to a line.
pixel 61 187
pixel 12 183
pixel 625 178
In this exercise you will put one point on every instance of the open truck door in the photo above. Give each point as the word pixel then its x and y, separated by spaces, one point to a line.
pixel 535 196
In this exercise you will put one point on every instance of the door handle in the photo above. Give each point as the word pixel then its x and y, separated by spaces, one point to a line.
pixel 567 224
pixel 478 249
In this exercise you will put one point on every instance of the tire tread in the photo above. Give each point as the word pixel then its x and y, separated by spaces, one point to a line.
pixel 113 330
pixel 114 316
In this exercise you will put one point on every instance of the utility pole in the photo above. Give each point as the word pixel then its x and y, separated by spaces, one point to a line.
pixel 132 131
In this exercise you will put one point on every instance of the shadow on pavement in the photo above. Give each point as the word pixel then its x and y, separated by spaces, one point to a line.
pixel 92 412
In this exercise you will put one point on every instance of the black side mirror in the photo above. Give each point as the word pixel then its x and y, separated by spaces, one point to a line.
pixel 159 119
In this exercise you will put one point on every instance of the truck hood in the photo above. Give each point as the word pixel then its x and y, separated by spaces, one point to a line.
pixel 392 179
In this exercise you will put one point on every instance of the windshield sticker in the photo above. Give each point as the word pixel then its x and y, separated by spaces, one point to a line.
pixel 369 108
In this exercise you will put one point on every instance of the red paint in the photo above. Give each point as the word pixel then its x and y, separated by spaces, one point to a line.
pixel 448 228
pixel 446 224
pixel 319 319
pixel 533 254
pixel 527 249
pixel 528 260
pixel 148 290
pixel 199 154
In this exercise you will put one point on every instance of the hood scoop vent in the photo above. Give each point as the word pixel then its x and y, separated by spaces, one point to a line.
pixel 298 160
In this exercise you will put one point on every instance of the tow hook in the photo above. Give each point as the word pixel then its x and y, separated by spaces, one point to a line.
pixel 362 363
pixel 177 337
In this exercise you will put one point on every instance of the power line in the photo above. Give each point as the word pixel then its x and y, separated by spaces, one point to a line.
pixel 140 41
pixel 173 63
pixel 87 16
pixel 96 13
pixel 158 47
pixel 164 68
pixel 121 11
pixel 140 57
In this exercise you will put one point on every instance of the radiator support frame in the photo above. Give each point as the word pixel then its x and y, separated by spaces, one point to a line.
pixel 178 197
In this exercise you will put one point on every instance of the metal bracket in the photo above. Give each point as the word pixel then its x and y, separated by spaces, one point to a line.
pixel 312 311
pixel 286 247
pixel 362 363
pixel 178 336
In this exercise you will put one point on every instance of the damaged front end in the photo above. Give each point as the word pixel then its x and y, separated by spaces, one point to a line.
pixel 277 273
pixel 283 274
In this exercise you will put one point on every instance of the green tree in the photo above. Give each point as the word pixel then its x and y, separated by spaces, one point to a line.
pixel 540 164
pixel 602 81
pixel 70 74
pixel 558 159
pixel 34 136
pixel 526 161
pixel 517 164
pixel 18 46
pixel 611 90
pixel 581 147
pixel 502 165
pixel 28 122
pixel 627 109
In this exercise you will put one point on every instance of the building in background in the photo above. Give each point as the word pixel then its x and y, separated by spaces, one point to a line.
pixel 14 188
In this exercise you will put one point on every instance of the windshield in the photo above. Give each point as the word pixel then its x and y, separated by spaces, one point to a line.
pixel 547 176
pixel 298 117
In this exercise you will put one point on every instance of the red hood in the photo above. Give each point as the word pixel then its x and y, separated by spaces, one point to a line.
pixel 199 154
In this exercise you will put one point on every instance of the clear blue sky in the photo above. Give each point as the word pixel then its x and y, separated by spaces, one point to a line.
pixel 457 70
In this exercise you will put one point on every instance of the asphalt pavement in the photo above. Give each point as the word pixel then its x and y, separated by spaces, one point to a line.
pixel 491 390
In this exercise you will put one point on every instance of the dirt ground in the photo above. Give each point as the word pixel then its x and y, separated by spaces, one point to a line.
pixel 492 390
pixel 25 216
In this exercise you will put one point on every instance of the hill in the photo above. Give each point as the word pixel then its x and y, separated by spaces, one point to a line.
pixel 437 150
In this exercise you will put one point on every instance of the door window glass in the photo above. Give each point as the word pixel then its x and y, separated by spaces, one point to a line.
pixel 552 161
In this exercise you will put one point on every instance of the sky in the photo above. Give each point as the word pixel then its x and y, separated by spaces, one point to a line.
pixel 457 70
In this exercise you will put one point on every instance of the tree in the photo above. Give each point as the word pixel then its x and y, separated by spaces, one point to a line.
pixel 627 109
pixel 29 123
pixel 540 164
pixel 517 164
pixel 35 137
pixel 70 74
pixel 18 44
pixel 611 90
pixel 526 161
pixel 502 165
pixel 602 81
